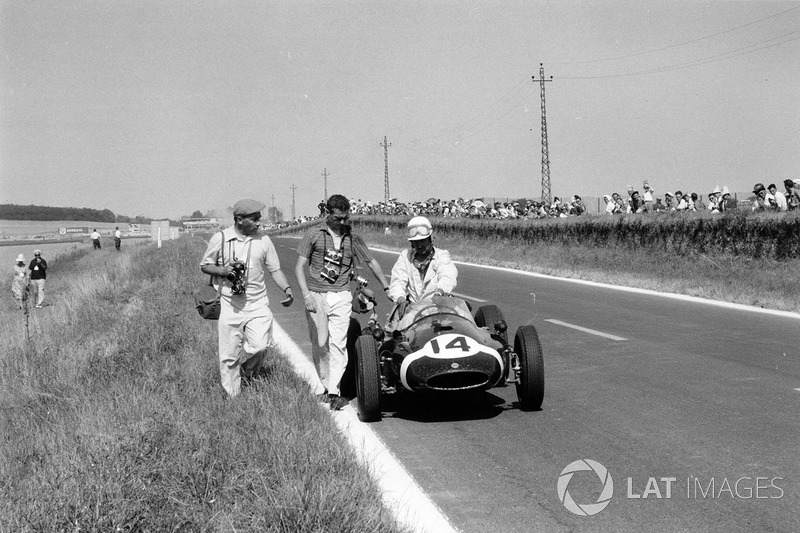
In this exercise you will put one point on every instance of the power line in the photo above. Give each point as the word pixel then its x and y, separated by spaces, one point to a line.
pixel 677 45
pixel 696 62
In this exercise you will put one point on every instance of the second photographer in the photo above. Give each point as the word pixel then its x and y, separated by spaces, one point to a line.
pixel 239 258
pixel 324 268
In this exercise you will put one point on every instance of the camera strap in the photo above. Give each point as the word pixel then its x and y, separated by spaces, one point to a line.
pixel 341 251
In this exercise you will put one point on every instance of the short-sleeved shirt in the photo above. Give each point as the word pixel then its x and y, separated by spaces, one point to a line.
pixel 256 251
pixel 38 270
pixel 336 262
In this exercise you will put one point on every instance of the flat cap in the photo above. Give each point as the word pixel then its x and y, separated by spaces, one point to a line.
pixel 247 207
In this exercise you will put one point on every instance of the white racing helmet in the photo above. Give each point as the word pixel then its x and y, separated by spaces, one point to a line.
pixel 419 228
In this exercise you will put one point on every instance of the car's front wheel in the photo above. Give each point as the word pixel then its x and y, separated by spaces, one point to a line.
pixel 530 383
pixel 368 379
pixel 487 316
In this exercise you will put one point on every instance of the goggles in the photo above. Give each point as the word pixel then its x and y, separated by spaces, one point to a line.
pixel 419 231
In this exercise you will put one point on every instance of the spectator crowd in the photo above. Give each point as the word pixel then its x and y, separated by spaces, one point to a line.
pixel 718 201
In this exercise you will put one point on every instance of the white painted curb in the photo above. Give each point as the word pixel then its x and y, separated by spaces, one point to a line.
pixel 404 498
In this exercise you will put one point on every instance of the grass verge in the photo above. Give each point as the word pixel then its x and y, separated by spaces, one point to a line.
pixel 112 417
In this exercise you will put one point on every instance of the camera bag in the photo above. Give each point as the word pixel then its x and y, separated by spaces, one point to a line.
pixel 206 299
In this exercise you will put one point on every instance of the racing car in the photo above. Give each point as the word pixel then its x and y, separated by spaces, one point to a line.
pixel 439 347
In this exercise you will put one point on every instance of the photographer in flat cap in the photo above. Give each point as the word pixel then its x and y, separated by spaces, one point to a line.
pixel 239 258
pixel 327 252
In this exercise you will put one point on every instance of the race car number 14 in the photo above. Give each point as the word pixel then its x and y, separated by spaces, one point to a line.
pixel 449 345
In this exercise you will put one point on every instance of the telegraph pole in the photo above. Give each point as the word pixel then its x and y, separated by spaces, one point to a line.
pixel 294 188
pixel 546 197
pixel 274 213
pixel 386 170
pixel 325 176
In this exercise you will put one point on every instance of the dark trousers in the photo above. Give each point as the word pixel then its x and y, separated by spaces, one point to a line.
pixel 96 244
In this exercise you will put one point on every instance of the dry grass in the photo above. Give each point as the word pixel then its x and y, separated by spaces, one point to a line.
pixel 112 417
pixel 760 282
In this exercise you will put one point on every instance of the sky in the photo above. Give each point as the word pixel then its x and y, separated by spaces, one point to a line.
pixel 161 108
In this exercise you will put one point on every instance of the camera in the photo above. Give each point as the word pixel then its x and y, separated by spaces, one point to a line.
pixel 331 266
pixel 237 277
pixel 329 274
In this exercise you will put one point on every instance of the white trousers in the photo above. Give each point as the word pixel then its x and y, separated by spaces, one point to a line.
pixel 243 339
pixel 328 331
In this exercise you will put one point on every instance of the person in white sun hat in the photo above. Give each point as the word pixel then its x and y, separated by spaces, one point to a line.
pixel 421 272
pixel 19 285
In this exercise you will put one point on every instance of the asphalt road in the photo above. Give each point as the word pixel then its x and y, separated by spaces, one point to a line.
pixel 693 409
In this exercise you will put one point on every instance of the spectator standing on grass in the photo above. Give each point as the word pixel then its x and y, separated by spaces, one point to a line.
pixel 577 207
pixel 95 239
pixel 681 202
pixel 669 201
pixel 609 209
pixel 726 202
pixel 38 275
pixel 761 201
pixel 620 204
pixel 325 266
pixel 637 203
pixel 245 319
pixel 780 198
pixel 117 239
pixel 19 285
pixel 714 200
pixel 792 193
pixel 647 196
pixel 697 203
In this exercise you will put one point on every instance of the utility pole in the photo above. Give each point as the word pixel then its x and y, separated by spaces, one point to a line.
pixel 386 169
pixel 325 176
pixel 546 197
pixel 274 214
pixel 294 188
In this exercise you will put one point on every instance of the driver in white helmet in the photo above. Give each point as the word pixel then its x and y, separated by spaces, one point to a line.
pixel 421 272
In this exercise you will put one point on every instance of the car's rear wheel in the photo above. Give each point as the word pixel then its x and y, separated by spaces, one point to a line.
pixel 487 316
pixel 530 386
pixel 368 379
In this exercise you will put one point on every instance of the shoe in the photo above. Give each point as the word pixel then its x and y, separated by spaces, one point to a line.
pixel 38 307
pixel 337 402
pixel 324 398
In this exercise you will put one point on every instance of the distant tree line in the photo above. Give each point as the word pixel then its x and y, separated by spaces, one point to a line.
pixel 38 212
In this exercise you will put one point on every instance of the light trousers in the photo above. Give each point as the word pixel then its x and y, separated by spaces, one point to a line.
pixel 38 288
pixel 328 331
pixel 243 339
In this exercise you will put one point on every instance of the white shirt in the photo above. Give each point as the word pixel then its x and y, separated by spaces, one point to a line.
pixel 257 251
pixel 95 235
pixel 441 275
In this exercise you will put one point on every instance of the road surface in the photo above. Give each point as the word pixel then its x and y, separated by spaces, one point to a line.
pixel 693 409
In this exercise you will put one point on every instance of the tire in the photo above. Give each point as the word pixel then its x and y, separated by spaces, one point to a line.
pixel 488 316
pixel 530 387
pixel 368 379
pixel 347 387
